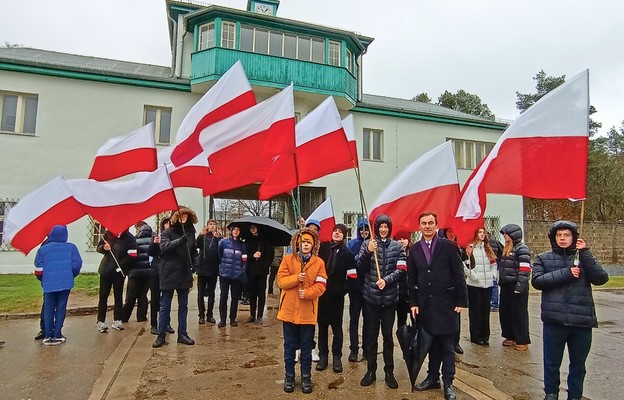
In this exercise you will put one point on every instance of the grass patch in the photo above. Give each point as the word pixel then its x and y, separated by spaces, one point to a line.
pixel 614 282
pixel 22 293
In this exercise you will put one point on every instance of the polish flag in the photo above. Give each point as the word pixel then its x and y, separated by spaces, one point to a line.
pixel 119 204
pixel 321 149
pixel 124 155
pixel 324 214
pixel 191 174
pixel 543 154
pixel 428 184
pixel 30 220
pixel 252 145
pixel 349 129
pixel 230 95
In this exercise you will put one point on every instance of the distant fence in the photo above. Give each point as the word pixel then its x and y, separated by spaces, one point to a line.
pixel 606 240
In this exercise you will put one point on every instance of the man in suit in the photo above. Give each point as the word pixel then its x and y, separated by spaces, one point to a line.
pixel 437 288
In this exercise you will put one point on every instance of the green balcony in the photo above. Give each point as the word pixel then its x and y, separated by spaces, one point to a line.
pixel 276 72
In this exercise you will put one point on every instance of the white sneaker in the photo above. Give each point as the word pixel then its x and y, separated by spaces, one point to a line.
pixel 61 340
pixel 117 325
pixel 102 327
pixel 297 353
pixel 48 341
pixel 315 356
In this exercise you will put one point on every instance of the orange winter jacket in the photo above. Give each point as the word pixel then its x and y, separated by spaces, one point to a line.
pixel 292 308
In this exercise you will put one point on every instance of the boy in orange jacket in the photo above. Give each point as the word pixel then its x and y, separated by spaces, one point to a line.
pixel 303 279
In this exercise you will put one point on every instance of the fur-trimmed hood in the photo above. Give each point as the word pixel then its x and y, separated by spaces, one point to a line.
pixel 184 210
pixel 298 233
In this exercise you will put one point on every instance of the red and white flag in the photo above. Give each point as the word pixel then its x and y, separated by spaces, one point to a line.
pixel 124 155
pixel 119 204
pixel 250 146
pixel 231 94
pixel 30 220
pixel 191 174
pixel 428 184
pixel 349 128
pixel 321 149
pixel 543 154
pixel 324 215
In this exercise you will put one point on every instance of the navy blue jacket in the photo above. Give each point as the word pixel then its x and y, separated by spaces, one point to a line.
pixel 515 268
pixel 357 285
pixel 231 264
pixel 142 265
pixel 57 262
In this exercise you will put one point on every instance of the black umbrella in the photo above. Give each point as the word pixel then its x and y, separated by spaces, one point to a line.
pixel 276 233
pixel 415 343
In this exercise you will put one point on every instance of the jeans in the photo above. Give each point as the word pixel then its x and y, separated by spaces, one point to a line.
pixel 164 315
pixel 494 300
pixel 376 317
pixel 579 340
pixel 116 282
pixel 298 337
pixel 54 313
pixel 206 286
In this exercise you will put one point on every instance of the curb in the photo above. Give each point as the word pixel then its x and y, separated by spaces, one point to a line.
pixel 70 311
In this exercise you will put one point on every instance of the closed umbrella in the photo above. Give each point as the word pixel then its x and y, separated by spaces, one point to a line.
pixel 415 343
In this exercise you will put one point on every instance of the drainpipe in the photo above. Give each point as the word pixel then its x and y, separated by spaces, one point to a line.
pixel 180 46
pixel 174 34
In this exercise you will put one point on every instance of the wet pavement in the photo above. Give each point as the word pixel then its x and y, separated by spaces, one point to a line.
pixel 246 362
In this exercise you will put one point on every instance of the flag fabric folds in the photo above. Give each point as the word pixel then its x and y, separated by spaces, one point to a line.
pixel 30 220
pixel 231 94
pixel 543 154
pixel 324 214
pixel 349 128
pixel 252 145
pixel 124 155
pixel 119 204
pixel 190 174
pixel 428 184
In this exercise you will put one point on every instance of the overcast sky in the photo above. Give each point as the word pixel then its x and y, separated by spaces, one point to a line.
pixel 491 48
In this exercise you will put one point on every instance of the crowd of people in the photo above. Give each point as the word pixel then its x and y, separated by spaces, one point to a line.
pixel 386 277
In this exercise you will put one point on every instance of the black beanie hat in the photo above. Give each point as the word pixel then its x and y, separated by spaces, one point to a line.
pixel 343 229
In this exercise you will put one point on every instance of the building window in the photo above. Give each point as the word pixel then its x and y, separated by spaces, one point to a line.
pixel 372 144
pixel 492 226
pixel 5 206
pixel 18 112
pixel 311 198
pixel 96 232
pixel 468 153
pixel 349 61
pixel 297 117
pixel 207 36
pixel 228 35
pixel 280 44
pixel 318 50
pixel 334 53
pixel 161 117
pixel 350 219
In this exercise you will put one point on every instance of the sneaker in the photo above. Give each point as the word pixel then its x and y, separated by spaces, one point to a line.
pixel 48 341
pixel 336 364
pixel 61 339
pixel 221 324
pixel 102 327
pixel 154 330
pixel 315 356
pixel 521 347
pixel 40 335
pixel 259 321
pixel 250 320
pixel 368 379
pixel 233 323
pixel 117 325
pixel 509 342
pixel 202 320
pixel 353 356
pixel 212 320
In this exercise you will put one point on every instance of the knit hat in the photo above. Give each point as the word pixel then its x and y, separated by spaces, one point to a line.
pixel 313 222
pixel 343 229
pixel 306 237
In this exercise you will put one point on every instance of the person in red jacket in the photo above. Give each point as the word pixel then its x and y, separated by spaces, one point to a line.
pixel 303 279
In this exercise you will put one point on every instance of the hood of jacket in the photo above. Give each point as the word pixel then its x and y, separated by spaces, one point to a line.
pixel 176 225
pixel 563 225
pixel 382 219
pixel 298 233
pixel 514 232
pixel 362 222
pixel 144 231
pixel 57 234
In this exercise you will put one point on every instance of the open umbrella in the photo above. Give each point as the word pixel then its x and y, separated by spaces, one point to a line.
pixel 276 233
pixel 415 343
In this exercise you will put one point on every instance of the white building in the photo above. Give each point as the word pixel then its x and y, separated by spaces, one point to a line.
pixel 57 109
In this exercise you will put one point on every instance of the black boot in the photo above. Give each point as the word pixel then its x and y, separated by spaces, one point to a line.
pixel 306 383
pixel 449 393
pixel 159 342
pixel 337 365
pixel 322 363
pixel 289 383
pixel 186 339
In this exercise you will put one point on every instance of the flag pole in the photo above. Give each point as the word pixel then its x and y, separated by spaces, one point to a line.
pixel 577 256
pixel 114 258
pixel 188 251
pixel 363 203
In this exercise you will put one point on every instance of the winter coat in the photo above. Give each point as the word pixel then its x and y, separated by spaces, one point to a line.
pixel 436 288
pixel 567 300
pixel 57 262
pixel 515 269
pixel 141 268
pixel 357 285
pixel 392 266
pixel 258 268
pixel 123 252
pixel 231 264
pixel 208 261
pixel 178 252
pixel 480 270
pixel 337 278
pixel 292 309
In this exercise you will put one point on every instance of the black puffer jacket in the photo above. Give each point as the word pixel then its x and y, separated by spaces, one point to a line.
pixel 178 252
pixel 208 262
pixel 567 300
pixel 142 265
pixel 392 265
pixel 515 269
pixel 120 254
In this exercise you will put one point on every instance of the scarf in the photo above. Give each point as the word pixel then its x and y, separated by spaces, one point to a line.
pixel 426 250
pixel 333 256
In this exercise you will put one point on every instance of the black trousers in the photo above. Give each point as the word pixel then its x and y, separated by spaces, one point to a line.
pixel 330 315
pixel 206 286
pixel 442 353
pixel 356 308
pixel 403 312
pixel 154 300
pixel 479 313
pixel 116 282
pixel 234 287
pixel 376 317
pixel 272 276
pixel 137 290
pixel 513 312
pixel 257 295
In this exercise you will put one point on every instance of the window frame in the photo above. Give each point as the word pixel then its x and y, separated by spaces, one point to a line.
pixel 368 144
pixel 466 151
pixel 158 121
pixel 211 26
pixel 19 115
pixel 226 40
pixel 5 206
pixel 334 55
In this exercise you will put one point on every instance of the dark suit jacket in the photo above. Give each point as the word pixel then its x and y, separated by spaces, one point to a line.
pixel 437 288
